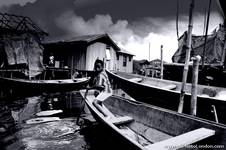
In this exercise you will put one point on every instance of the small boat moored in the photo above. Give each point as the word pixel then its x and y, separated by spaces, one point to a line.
pixel 44 85
pixel 142 126
pixel 166 93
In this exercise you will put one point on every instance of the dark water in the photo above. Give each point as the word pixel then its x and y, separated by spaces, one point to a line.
pixel 73 129
pixel 67 132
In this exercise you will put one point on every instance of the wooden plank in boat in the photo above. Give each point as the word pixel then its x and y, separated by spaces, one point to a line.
pixel 183 139
pixel 121 120
pixel 152 134
pixel 107 111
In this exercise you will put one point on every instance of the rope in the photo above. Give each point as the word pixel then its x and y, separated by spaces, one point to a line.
pixel 205 16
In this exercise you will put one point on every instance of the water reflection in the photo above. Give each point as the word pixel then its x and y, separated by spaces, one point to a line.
pixel 52 135
pixel 63 133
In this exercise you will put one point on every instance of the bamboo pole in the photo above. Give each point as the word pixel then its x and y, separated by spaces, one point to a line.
pixel 207 27
pixel 149 52
pixel 223 53
pixel 72 66
pixel 161 54
pixel 188 51
pixel 195 74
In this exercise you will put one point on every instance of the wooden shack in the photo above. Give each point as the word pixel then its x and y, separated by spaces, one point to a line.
pixel 82 51
pixel 20 45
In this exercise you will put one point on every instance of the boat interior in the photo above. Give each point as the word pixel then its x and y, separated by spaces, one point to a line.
pixel 151 127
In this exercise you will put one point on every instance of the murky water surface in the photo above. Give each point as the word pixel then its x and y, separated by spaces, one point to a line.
pixel 22 126
pixel 50 122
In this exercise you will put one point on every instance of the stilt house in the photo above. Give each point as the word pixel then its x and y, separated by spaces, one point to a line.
pixel 20 45
pixel 81 52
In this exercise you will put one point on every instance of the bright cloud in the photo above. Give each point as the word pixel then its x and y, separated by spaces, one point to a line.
pixel 136 36
pixel 141 48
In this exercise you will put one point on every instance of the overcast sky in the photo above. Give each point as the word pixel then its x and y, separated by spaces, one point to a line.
pixel 132 24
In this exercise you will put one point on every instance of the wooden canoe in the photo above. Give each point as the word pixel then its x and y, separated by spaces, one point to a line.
pixel 166 93
pixel 44 85
pixel 142 126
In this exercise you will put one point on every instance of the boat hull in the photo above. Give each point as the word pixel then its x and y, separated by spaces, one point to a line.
pixel 166 121
pixel 37 86
pixel 169 99
pixel 118 139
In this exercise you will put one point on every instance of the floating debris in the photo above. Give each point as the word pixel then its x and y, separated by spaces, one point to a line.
pixel 2 129
pixel 42 120
pixel 49 112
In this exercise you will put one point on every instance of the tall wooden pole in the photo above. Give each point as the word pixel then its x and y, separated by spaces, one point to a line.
pixel 149 52
pixel 188 51
pixel 177 18
pixel 223 53
pixel 195 74
pixel 161 54
pixel 207 27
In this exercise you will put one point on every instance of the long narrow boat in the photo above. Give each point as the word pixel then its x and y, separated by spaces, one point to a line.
pixel 211 101
pixel 137 125
pixel 44 85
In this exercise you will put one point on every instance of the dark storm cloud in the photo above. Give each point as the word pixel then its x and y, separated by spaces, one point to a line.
pixel 85 3
pixel 131 23
pixel 136 9
pixel 142 17
pixel 12 2
pixel 44 13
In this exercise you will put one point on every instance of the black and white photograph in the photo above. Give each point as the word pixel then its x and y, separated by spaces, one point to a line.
pixel 112 74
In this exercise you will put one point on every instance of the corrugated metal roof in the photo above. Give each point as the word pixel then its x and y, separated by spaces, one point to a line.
pixel 88 39
pixel 125 52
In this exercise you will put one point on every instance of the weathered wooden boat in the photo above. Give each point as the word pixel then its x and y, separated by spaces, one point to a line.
pixel 44 85
pixel 138 125
pixel 211 101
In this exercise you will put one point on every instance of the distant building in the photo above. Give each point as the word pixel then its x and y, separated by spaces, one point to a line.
pixel 154 68
pixel 139 66
pixel 81 52
pixel 124 61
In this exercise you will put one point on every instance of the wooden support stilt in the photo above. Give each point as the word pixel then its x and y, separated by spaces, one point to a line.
pixel 195 74
pixel 161 72
pixel 215 113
